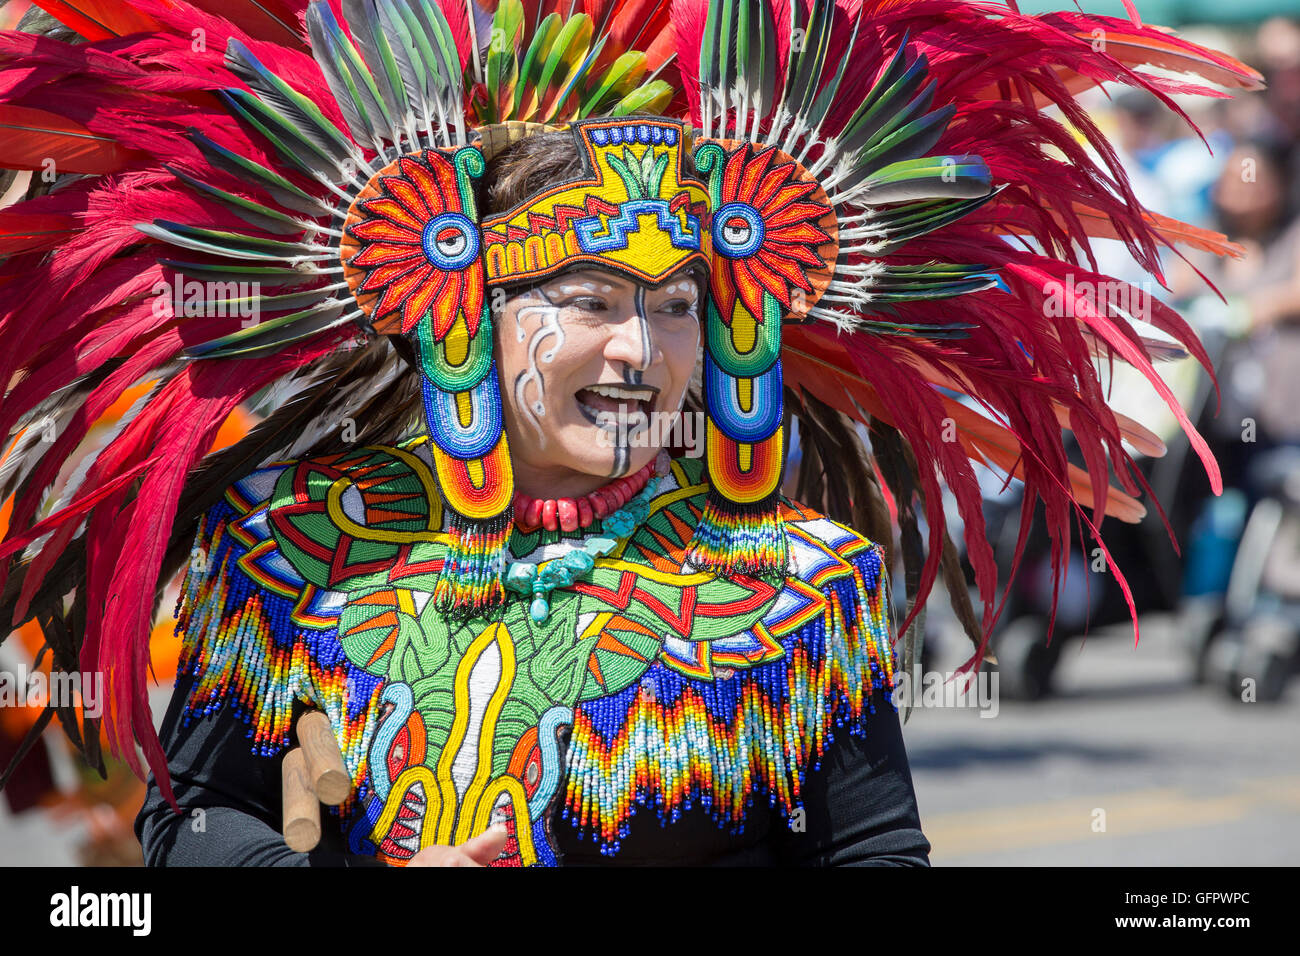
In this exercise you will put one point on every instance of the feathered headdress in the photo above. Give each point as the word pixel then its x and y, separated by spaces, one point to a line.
pixel 865 162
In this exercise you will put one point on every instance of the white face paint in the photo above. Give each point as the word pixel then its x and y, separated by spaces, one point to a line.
pixel 547 318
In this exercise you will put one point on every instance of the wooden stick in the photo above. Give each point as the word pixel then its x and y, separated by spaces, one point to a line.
pixel 301 806
pixel 329 778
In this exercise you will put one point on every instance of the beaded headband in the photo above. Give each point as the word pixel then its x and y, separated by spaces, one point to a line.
pixel 632 211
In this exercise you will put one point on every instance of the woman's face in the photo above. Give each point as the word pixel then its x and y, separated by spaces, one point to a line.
pixel 585 359
pixel 1250 195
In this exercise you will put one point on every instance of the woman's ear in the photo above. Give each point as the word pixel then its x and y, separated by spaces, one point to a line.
pixel 701 277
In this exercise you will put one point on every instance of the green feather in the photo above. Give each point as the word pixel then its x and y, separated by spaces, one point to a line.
pixel 346 74
pixel 710 65
pixel 297 148
pixel 264 217
pixel 563 59
pixel 929 177
pixel 896 87
pixel 728 16
pixel 265 275
pixel 816 41
pixel 653 97
pixel 756 54
pixel 906 143
pixel 407 59
pixel 429 34
pixel 822 104
pixel 277 95
pixel 272 334
pixel 534 59
pixel 219 242
pixel 276 186
pixel 579 75
pixel 907 222
pixel 362 17
pixel 616 82
pixel 437 31
pixel 502 61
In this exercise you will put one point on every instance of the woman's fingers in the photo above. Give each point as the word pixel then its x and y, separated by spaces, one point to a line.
pixel 480 851
pixel 487 846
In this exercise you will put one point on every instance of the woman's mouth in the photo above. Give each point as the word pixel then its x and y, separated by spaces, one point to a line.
pixel 603 404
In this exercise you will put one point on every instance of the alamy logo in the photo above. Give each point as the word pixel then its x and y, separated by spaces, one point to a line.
pixel 623 429
pixel 60 689
pixel 1085 298
pixel 182 298
pixel 949 689
pixel 75 908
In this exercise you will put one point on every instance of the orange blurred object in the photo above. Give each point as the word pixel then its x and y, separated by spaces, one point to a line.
pixel 164 646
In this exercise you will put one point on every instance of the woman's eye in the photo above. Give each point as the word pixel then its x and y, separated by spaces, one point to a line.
pixel 587 303
pixel 678 307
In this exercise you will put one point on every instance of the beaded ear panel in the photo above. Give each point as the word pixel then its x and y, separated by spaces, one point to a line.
pixel 634 210
pixel 412 258
pixel 774 245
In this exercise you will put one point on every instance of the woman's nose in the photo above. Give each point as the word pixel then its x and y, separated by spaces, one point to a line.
pixel 632 341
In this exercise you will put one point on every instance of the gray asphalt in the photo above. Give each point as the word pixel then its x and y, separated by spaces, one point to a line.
pixel 1129 764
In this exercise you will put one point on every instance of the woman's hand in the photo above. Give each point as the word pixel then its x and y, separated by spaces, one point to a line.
pixel 480 851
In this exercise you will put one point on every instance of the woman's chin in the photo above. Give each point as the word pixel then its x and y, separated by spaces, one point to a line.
pixel 595 452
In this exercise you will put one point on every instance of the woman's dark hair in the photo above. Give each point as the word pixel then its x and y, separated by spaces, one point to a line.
pixel 526 167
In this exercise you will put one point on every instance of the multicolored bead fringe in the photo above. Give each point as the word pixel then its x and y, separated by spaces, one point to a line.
pixel 471 579
pixel 739 539
pixel 243 648
pixel 689 742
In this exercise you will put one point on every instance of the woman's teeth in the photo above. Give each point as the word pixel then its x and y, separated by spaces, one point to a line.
pixel 627 394
pixel 597 399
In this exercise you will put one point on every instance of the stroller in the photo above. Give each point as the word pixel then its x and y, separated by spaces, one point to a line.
pixel 1242 589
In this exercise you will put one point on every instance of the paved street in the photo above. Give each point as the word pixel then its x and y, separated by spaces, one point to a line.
pixel 1183 774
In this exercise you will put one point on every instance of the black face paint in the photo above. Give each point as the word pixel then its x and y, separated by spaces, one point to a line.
pixel 645 331
pixel 633 376
pixel 621 457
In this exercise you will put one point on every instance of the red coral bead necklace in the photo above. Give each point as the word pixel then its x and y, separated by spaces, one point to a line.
pixel 571 514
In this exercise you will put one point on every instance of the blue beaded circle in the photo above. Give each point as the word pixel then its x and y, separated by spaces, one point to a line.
pixel 733 239
pixel 450 241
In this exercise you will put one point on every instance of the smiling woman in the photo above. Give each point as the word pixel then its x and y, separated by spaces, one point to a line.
pixel 588 355
pixel 623 659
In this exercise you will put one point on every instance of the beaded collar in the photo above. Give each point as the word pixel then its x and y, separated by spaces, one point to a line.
pixel 649 684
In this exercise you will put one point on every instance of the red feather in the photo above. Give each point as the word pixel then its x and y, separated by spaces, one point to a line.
pixel 33 139
pixel 98 19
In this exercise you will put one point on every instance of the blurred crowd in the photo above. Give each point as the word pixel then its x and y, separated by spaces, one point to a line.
pixel 1246 185
pixel 1237 587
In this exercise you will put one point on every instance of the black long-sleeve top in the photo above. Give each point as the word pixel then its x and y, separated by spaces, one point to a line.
pixel 859 808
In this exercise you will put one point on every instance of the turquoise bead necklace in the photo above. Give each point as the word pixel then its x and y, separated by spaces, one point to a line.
pixel 524 577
